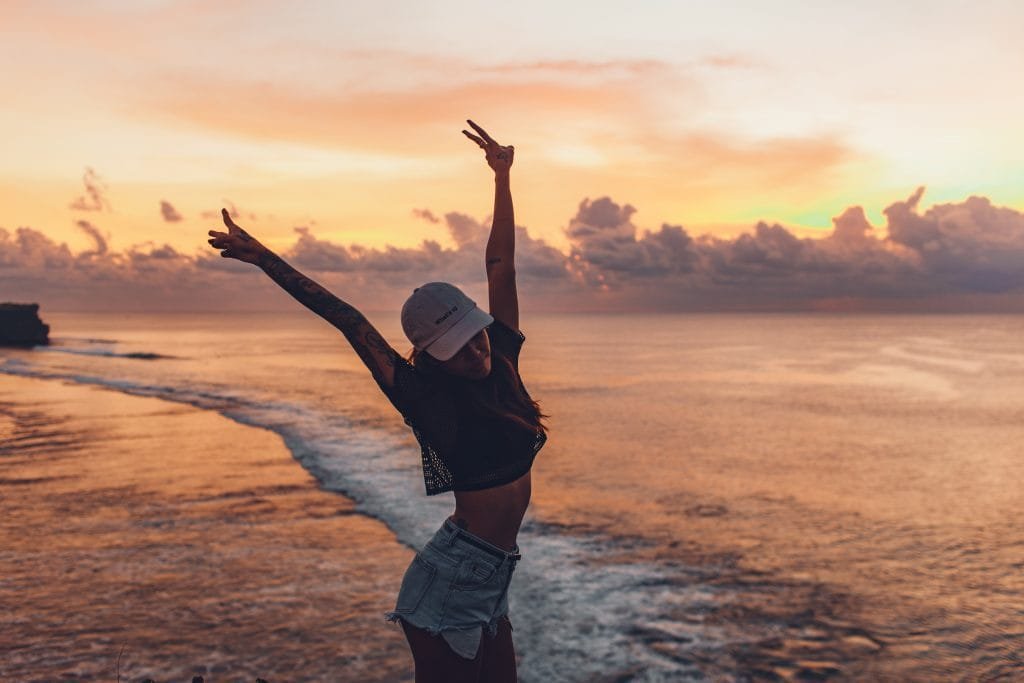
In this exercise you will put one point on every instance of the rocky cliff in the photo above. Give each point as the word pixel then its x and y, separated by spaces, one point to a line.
pixel 20 325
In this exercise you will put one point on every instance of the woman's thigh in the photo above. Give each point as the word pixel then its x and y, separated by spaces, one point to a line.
pixel 435 661
pixel 499 655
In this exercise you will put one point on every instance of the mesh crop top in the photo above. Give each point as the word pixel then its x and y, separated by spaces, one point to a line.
pixel 461 449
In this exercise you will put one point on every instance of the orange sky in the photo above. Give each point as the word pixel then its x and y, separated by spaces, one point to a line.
pixel 346 119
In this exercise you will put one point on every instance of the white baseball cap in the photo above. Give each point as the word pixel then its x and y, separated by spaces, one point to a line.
pixel 439 319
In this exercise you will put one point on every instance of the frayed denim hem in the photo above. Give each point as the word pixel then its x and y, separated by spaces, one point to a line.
pixel 464 642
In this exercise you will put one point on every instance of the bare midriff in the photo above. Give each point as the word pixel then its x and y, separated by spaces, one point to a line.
pixel 494 514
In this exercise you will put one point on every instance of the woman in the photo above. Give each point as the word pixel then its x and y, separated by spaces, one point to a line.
pixel 478 430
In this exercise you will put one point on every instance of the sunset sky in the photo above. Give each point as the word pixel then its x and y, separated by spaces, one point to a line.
pixel 343 120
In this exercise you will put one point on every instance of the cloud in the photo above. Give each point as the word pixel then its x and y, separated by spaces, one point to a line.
pixel 574 114
pixel 607 250
pixel 729 161
pixel 536 260
pixel 145 276
pixel 426 215
pixel 94 233
pixel 534 257
pixel 309 252
pixel 31 250
pixel 465 231
pixel 94 198
pixel 971 246
pixel 168 212
pixel 214 215
pixel 359 120
pixel 959 256
pixel 411 94
pixel 952 250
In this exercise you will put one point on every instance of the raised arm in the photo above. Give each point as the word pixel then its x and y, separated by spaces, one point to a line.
pixel 378 355
pixel 501 245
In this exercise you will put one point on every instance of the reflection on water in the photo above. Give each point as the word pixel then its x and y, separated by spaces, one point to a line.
pixel 189 563
pixel 732 497
pixel 855 489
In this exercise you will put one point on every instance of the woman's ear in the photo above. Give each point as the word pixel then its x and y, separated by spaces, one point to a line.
pixel 423 360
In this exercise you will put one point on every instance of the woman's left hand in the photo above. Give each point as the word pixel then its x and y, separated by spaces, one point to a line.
pixel 236 243
pixel 499 158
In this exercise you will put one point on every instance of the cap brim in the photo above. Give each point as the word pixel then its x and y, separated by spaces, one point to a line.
pixel 449 343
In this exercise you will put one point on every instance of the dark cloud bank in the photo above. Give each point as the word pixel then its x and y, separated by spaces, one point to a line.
pixel 967 256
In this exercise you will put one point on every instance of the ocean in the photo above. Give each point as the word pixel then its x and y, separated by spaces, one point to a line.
pixel 722 496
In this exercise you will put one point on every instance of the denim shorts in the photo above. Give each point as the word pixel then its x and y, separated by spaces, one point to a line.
pixel 457 586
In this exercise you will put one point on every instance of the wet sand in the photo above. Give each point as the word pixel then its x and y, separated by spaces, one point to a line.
pixel 195 544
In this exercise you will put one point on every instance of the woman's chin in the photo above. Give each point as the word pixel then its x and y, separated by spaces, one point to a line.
pixel 474 373
pixel 481 372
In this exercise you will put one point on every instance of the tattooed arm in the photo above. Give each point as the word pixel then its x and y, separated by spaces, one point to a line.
pixel 364 338
pixel 501 245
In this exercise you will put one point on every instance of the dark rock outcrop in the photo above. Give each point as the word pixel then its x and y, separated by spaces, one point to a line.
pixel 20 325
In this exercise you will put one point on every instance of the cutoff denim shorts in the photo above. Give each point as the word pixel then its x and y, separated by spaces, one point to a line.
pixel 457 586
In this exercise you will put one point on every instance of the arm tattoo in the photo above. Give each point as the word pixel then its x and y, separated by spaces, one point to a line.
pixel 366 341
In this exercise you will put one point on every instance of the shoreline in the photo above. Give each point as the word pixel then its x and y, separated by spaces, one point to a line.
pixel 195 542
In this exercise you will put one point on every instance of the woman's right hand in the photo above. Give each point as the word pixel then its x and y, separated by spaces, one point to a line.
pixel 499 157
pixel 236 243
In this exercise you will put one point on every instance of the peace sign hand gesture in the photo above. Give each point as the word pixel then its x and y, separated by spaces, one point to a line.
pixel 498 158
pixel 236 243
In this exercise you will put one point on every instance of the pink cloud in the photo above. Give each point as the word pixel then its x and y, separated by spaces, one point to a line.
pixel 426 215
pixel 99 240
pixel 966 255
pixel 94 198
pixel 168 212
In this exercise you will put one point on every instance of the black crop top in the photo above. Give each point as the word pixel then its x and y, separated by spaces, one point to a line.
pixel 461 449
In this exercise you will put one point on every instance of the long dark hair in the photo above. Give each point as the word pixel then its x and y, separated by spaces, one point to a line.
pixel 499 395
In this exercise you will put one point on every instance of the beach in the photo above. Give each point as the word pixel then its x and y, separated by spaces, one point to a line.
pixel 185 542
